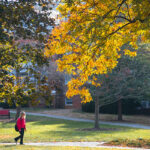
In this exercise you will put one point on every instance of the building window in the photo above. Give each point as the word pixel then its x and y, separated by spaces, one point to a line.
pixel 68 101
pixel 145 104
pixel 67 78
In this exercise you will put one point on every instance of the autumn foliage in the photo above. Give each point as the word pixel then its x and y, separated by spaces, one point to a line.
pixel 90 37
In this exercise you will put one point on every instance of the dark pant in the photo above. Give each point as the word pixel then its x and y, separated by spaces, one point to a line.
pixel 20 136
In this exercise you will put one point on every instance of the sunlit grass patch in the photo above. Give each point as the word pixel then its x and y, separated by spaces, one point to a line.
pixel 44 129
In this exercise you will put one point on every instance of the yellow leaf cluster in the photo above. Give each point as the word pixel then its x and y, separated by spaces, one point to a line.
pixel 91 38
pixel 131 54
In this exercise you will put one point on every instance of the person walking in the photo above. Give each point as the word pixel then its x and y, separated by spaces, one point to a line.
pixel 21 125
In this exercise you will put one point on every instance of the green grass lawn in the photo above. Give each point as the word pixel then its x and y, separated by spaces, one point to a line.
pixel 44 129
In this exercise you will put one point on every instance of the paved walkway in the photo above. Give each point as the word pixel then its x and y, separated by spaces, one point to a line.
pixel 78 144
pixel 87 120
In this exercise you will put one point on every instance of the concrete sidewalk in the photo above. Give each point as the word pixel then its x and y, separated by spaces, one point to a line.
pixel 77 144
pixel 132 125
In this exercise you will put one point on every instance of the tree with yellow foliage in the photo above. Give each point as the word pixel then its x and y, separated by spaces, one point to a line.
pixel 90 36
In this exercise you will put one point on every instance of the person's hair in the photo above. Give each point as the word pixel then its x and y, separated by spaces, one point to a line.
pixel 22 113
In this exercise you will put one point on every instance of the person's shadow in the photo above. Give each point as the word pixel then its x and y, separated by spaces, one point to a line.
pixel 6 146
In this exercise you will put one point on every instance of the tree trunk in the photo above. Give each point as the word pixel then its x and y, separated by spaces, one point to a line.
pixel 18 110
pixel 97 113
pixel 120 110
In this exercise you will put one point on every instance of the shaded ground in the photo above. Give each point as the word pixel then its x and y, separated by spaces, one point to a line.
pixel 100 129
pixel 145 120
pixel 125 124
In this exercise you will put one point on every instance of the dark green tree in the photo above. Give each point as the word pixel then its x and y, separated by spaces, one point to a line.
pixel 24 26
pixel 129 80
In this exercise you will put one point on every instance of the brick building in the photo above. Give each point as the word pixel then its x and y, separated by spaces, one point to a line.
pixel 57 84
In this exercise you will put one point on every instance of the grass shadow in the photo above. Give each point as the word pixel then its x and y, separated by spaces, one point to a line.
pixel 9 146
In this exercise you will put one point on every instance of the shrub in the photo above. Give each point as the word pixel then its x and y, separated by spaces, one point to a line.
pixel 129 106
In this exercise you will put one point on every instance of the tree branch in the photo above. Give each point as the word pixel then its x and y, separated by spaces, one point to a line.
pixel 120 6
pixel 118 29
pixel 134 20
pixel 129 20
pixel 128 10
pixel 142 20
pixel 105 15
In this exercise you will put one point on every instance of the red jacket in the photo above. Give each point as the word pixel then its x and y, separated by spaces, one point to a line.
pixel 21 123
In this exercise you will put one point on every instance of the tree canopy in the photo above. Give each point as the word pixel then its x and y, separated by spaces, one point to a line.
pixel 90 37
pixel 24 26
pixel 129 80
